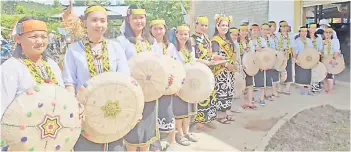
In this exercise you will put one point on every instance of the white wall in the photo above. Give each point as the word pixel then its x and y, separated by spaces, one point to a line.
pixel 281 10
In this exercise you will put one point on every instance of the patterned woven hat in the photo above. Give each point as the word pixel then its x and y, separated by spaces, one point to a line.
pixel 176 73
pixel 47 120
pixel 114 104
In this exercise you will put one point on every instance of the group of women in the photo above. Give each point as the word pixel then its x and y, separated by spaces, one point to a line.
pixel 94 55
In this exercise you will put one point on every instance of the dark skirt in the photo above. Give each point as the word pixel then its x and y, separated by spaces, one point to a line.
pixel 206 111
pixel 85 145
pixel 182 109
pixel 289 70
pixel 249 81
pixel 330 76
pixel 224 87
pixel 146 131
pixel 165 114
pixel 263 79
pixel 302 76
pixel 275 75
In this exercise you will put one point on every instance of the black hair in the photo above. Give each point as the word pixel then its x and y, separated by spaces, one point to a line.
pixel 247 37
pixel 17 53
pixel 280 25
pixel 323 37
pixel 165 38
pixel 130 35
pixel 227 35
pixel 308 33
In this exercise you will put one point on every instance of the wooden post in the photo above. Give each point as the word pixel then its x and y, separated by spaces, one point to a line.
pixel 191 17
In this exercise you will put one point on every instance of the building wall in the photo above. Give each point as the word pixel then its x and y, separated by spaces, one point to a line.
pixel 255 11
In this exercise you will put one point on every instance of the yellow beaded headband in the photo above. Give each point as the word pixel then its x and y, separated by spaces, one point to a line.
pixel 273 24
pixel 303 29
pixel 313 26
pixel 95 9
pixel 154 22
pixel 265 26
pixel 136 11
pixel 329 29
pixel 183 28
pixel 243 27
pixel 283 23
pixel 233 30
pixel 202 19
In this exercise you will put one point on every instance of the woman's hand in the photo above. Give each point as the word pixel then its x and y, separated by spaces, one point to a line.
pixel 230 67
pixel 218 57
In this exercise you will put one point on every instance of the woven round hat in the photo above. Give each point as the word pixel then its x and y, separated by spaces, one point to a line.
pixel 266 58
pixel 199 83
pixel 336 68
pixel 250 63
pixel 240 84
pixel 319 72
pixel 308 58
pixel 283 76
pixel 281 62
pixel 151 73
pixel 47 120
pixel 176 71
pixel 113 104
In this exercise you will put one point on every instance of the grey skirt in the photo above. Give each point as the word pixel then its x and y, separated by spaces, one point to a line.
pixel 85 145
pixel 329 76
pixel 182 109
pixel 274 74
pixel 262 80
pixel 302 76
pixel 249 81
pixel 146 131
pixel 165 114
pixel 289 70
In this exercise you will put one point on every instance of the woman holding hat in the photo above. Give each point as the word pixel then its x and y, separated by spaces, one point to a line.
pixel 30 64
pixel 245 47
pixel 275 73
pixel 183 110
pixel 272 76
pixel 286 43
pixel 260 79
pixel 165 118
pixel 90 57
pixel 207 111
pixel 303 76
pixel 331 47
pixel 136 38
pixel 222 47
pixel 317 44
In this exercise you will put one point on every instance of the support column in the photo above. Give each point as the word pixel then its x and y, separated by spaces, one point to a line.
pixel 297 15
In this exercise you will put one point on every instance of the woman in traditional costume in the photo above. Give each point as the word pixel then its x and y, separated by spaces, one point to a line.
pixel 317 44
pixel 331 47
pixel 184 110
pixel 90 57
pixel 30 64
pixel 221 46
pixel 275 74
pixel 257 43
pixel 286 43
pixel 207 111
pixel 165 118
pixel 303 76
pixel 271 73
pixel 245 47
pixel 136 38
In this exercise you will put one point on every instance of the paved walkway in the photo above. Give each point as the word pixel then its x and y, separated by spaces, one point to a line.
pixel 251 127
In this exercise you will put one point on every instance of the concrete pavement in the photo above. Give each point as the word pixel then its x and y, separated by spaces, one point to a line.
pixel 249 131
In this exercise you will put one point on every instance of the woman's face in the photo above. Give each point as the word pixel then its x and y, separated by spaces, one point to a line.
pixel 265 31
pixel 328 34
pixel 243 33
pixel 96 23
pixel 273 29
pixel 201 28
pixel 137 22
pixel 33 43
pixel 303 33
pixel 234 36
pixel 158 31
pixel 222 27
pixel 312 30
pixel 284 28
pixel 255 32
pixel 182 36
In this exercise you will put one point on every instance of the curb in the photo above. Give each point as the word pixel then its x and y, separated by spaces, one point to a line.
pixel 265 140
pixel 342 83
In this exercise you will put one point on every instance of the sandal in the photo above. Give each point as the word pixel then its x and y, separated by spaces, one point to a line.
pixel 230 118
pixel 245 106
pixel 191 137
pixel 183 141
pixel 286 92
pixel 220 120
